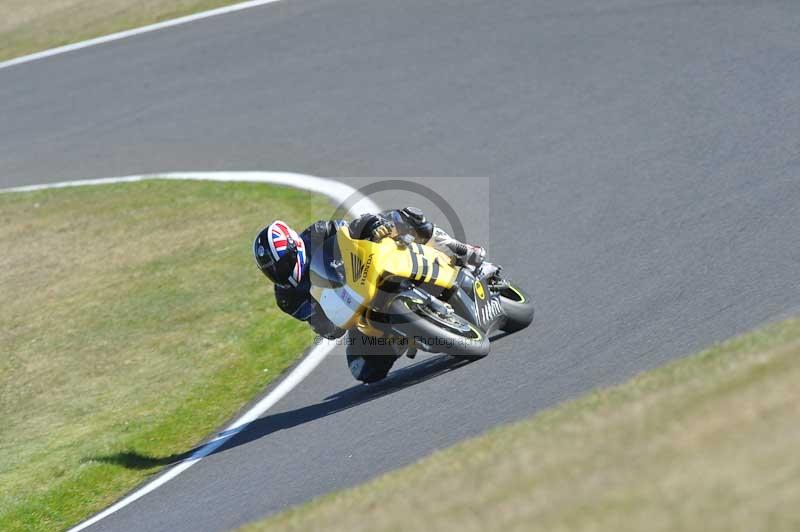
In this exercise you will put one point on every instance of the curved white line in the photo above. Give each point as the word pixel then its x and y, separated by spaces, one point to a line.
pixel 135 31
pixel 339 192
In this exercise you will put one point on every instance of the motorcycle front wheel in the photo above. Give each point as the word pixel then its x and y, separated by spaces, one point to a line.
pixel 442 333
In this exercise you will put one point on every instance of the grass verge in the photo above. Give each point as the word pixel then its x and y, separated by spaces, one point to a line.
pixel 708 443
pixel 29 26
pixel 134 324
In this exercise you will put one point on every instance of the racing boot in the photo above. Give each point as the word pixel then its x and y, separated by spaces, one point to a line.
pixel 465 254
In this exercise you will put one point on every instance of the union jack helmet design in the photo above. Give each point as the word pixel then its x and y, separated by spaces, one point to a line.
pixel 280 253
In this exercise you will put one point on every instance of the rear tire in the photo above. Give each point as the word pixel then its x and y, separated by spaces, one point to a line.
pixel 368 363
pixel 518 308
pixel 412 321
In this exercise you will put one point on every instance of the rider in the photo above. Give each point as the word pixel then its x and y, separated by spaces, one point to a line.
pixel 282 255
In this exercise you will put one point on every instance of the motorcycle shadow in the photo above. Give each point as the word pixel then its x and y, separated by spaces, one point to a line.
pixel 359 394
pixel 399 379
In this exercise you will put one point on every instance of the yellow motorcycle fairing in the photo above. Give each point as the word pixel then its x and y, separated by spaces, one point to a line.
pixel 366 263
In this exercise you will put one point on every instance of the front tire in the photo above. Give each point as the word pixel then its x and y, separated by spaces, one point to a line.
pixel 451 335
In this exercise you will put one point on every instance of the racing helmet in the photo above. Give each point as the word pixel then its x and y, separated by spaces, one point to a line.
pixel 280 254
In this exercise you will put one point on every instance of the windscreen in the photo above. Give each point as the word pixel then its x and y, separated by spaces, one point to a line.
pixel 327 270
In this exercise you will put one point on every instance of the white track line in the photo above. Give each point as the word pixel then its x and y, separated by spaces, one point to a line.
pixel 136 31
pixel 339 192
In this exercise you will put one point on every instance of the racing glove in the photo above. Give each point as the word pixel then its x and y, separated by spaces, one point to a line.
pixel 382 229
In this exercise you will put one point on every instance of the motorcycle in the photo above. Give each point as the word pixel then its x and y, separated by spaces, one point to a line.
pixel 397 296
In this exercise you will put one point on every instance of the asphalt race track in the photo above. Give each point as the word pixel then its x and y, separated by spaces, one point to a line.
pixel 644 167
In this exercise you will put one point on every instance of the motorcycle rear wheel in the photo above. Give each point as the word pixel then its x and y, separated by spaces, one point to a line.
pixel 517 306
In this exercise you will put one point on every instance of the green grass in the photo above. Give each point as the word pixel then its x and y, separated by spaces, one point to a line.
pixel 28 26
pixel 707 443
pixel 134 323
